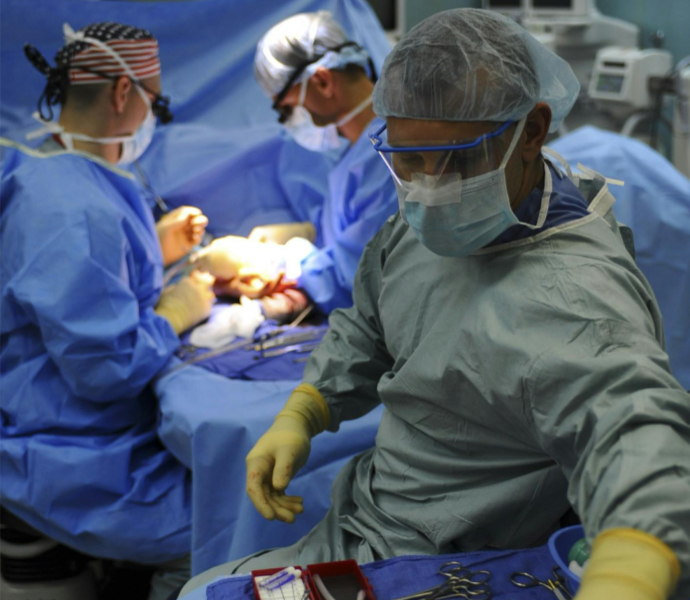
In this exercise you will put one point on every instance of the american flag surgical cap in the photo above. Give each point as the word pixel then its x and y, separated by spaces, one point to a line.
pixel 103 51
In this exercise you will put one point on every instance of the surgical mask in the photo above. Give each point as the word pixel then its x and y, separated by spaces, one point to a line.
pixel 453 216
pixel 133 146
pixel 302 129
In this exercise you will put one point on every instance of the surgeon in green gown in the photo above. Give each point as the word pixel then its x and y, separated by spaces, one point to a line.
pixel 502 322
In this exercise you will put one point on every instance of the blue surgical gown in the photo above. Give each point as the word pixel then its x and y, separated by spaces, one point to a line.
pixel 361 197
pixel 80 341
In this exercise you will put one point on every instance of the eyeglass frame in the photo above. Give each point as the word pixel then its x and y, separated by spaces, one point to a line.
pixel 299 69
pixel 377 142
pixel 160 105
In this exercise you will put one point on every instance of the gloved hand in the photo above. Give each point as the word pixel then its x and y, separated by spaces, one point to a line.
pixel 282 451
pixel 232 255
pixel 250 286
pixel 188 302
pixel 179 231
pixel 629 564
pixel 282 232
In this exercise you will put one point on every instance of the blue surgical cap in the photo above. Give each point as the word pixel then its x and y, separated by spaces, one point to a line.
pixel 472 65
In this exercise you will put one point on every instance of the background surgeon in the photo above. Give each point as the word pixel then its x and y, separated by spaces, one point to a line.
pixel 321 86
pixel 525 373
pixel 84 325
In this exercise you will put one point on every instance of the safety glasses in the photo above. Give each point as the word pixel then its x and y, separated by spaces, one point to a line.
pixel 409 161
pixel 284 112
pixel 160 105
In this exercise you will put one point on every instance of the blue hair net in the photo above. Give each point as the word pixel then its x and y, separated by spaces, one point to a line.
pixel 472 65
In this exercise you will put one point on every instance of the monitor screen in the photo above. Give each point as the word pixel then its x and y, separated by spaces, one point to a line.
pixel 559 4
pixel 610 84
pixel 504 4
pixel 386 11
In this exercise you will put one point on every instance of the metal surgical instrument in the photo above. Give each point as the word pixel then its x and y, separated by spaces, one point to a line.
pixel 299 348
pixel 236 345
pixel 527 580
pixel 304 336
pixel 460 583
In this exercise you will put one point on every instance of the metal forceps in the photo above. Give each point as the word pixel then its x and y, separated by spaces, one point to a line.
pixel 297 348
pixel 193 357
pixel 460 583
pixel 527 580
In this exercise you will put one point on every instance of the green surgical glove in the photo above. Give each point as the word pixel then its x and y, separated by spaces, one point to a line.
pixel 282 451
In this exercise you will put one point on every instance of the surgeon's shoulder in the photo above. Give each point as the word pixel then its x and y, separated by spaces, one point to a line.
pixel 381 245
pixel 52 167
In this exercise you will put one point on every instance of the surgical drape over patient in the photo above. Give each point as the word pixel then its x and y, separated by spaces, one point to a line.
pixel 472 65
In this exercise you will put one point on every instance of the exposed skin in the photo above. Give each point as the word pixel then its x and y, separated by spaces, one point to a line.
pixel 525 167
pixel 117 111
pixel 330 95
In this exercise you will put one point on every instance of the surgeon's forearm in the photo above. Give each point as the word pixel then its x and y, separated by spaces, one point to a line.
pixel 629 564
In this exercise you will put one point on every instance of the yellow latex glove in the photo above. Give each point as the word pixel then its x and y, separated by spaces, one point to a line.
pixel 188 302
pixel 232 255
pixel 282 451
pixel 628 564
pixel 179 231
pixel 283 232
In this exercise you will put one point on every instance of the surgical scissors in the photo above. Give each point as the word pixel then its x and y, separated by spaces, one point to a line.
pixel 460 583
pixel 527 580
pixel 455 570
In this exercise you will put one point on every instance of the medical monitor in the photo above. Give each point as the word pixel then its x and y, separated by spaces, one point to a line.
pixel 559 9
pixel 510 8
pixel 503 4
pixel 391 15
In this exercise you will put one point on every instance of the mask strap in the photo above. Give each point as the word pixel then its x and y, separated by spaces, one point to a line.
pixel 303 92
pixel 354 112
pixel 545 198
pixel 48 127
pixel 67 137
pixel 513 143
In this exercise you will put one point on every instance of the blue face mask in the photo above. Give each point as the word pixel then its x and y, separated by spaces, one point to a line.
pixel 453 216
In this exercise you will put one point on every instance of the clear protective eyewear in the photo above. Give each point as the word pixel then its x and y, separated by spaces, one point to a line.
pixel 284 112
pixel 466 159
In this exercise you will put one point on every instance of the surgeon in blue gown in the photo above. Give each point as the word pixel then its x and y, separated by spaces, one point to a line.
pixel 321 86
pixel 84 326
